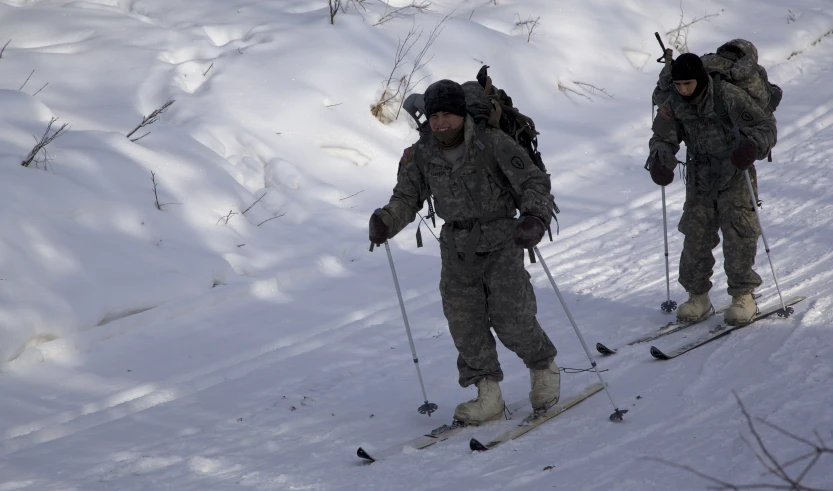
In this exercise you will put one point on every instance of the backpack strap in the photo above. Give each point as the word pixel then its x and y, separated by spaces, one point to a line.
pixel 419 161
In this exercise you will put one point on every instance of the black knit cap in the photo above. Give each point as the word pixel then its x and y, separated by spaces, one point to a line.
pixel 445 96
pixel 689 66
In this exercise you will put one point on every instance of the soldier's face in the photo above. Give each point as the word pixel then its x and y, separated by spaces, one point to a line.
pixel 440 121
pixel 685 87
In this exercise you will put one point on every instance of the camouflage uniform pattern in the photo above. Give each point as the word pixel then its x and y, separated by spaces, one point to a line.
pixel 717 197
pixel 490 287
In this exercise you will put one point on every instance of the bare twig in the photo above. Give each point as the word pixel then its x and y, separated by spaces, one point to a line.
pixel 156 193
pixel 268 219
pixel 231 213
pixel 44 140
pixel 678 37
pixel 354 194
pixel 27 80
pixel 419 62
pixel 397 87
pixel 40 89
pixel 208 70
pixel 528 25
pixel 391 13
pixel 139 138
pixel 566 90
pixel 593 90
pixel 335 5
pixel 151 118
pixel 4 48
pixel 251 205
pixel 765 457
pixel 334 105
pixel 403 47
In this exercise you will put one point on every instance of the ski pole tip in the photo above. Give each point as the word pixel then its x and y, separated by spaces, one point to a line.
pixel 669 306
pixel 427 408
pixel 618 415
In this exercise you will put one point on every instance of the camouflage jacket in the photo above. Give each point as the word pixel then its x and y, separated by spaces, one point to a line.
pixel 470 191
pixel 709 137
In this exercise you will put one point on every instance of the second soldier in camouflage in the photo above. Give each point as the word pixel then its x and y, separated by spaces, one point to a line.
pixel 725 131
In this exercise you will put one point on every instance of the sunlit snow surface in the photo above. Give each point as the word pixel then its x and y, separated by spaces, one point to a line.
pixel 200 347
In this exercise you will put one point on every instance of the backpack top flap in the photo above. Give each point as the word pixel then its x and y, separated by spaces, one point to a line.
pixel 737 63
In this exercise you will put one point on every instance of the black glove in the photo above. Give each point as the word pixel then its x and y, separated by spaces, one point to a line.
pixel 744 156
pixel 529 231
pixel 378 230
pixel 660 174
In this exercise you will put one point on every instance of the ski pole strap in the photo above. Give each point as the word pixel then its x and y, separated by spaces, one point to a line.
pixel 431 212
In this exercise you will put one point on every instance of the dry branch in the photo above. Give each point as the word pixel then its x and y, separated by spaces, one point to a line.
pixel 354 194
pixel 778 470
pixel 420 62
pixel 231 213
pixel 44 140
pixel 678 37
pixel 156 193
pixel 335 5
pixel 151 118
pixel 27 80
pixel 593 90
pixel 392 13
pixel 389 93
pixel 4 48
pixel 269 219
pixel 40 89
pixel 252 205
pixel 528 25
pixel 567 90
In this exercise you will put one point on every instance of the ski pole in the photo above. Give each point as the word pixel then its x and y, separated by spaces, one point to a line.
pixel 669 305
pixel 785 311
pixel 428 407
pixel 617 413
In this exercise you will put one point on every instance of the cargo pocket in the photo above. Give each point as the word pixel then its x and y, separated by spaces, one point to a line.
pixel 744 220
pixel 684 227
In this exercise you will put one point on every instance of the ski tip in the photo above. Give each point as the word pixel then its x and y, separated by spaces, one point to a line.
pixel 659 355
pixel 364 455
pixel 476 446
pixel 604 350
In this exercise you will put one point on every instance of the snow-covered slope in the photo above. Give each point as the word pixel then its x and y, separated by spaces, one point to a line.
pixel 243 336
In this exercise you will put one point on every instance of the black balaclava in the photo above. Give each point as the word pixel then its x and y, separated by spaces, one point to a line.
pixel 446 96
pixel 689 66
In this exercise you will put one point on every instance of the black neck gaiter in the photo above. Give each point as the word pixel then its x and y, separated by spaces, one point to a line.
pixel 450 138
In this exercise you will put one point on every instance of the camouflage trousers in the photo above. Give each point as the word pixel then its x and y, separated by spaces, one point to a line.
pixel 494 291
pixel 733 214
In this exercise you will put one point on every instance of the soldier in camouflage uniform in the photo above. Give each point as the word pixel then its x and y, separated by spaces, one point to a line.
pixel 725 131
pixel 468 168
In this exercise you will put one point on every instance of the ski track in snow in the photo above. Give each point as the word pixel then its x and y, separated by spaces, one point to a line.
pixel 271 377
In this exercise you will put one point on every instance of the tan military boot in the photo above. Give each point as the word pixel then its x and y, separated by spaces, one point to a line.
pixel 741 311
pixel 487 407
pixel 695 308
pixel 546 387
